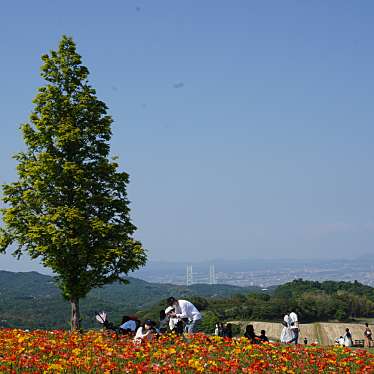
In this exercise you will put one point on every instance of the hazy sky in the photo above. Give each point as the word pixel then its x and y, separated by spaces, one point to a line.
pixel 246 126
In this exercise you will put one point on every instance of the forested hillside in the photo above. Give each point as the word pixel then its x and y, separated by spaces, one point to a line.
pixel 313 301
pixel 31 300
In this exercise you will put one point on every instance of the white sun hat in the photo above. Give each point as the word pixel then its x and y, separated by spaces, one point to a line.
pixel 169 309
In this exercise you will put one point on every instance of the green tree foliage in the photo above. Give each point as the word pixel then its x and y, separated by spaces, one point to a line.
pixel 69 207
pixel 209 321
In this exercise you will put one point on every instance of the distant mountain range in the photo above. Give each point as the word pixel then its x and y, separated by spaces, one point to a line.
pixel 31 300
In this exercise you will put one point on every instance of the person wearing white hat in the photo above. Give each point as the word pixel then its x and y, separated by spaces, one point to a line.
pixel 173 321
pixel 294 327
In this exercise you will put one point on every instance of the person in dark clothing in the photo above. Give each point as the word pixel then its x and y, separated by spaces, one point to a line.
pixel 221 329
pixel 263 336
pixel 368 336
pixel 250 334
pixel 227 331
pixel 164 321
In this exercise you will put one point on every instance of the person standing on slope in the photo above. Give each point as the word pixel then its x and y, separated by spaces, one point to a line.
pixel 348 340
pixel 368 336
pixel 294 325
pixel 185 310
pixel 287 335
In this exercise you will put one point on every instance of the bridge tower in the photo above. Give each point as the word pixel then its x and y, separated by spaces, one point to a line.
pixel 189 276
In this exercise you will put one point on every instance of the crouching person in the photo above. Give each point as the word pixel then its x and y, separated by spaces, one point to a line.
pixel 128 326
pixel 185 310
pixel 176 325
pixel 145 332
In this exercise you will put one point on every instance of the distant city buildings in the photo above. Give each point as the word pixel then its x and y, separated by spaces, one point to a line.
pixel 362 271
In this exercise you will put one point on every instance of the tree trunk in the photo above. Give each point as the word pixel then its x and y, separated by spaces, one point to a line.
pixel 75 314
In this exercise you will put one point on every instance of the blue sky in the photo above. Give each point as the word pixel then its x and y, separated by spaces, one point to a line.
pixel 246 127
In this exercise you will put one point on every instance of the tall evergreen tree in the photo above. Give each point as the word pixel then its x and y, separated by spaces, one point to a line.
pixel 69 207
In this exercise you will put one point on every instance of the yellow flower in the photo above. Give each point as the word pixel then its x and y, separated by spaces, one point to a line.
pixel 55 367
pixel 76 351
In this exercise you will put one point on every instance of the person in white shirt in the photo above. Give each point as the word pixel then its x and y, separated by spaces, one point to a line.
pixel 185 310
pixel 286 334
pixel 348 341
pixel 145 332
pixel 216 330
pixel 294 325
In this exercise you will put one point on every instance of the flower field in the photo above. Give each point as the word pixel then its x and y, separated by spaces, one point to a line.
pixel 96 352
